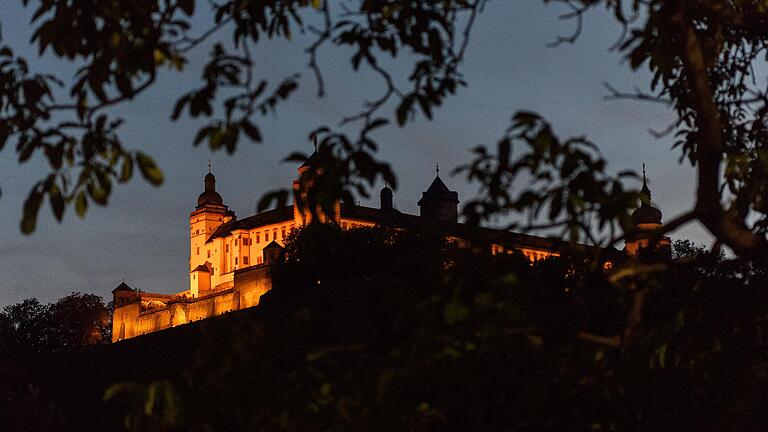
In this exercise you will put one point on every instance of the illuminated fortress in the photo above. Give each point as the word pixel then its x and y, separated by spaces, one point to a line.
pixel 230 259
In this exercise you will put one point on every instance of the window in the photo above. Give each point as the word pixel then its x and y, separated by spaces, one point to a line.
pixel 209 254
pixel 226 249
pixel 197 251
pixel 257 238
pixel 197 231
pixel 274 233
pixel 266 236
pixel 258 260
pixel 245 260
pixel 235 260
pixel 235 242
pixel 282 233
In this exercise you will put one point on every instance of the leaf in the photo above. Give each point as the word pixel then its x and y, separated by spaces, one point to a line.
pixel 403 110
pixel 81 204
pixel 377 123
pixel 31 208
pixel 57 202
pixel 251 130
pixel 180 104
pixel 187 6
pixel 126 172
pixel 149 169
pixel 280 196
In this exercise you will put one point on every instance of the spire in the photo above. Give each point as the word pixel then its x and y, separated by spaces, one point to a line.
pixel 437 170
pixel 645 191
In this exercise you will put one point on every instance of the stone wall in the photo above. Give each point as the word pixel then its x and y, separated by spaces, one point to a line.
pixel 143 315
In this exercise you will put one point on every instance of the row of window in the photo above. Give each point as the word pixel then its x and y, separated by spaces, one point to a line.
pixel 249 241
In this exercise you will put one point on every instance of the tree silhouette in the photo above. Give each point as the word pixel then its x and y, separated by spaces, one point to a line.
pixel 76 320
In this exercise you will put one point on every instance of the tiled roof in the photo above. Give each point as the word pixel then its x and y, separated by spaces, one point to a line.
pixel 268 217
pixel 396 219
pixel 202 267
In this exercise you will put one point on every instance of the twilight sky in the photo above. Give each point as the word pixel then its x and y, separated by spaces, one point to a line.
pixel 142 235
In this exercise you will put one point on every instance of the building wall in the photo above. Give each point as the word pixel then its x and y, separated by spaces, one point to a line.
pixel 240 249
pixel 125 323
pixel 252 284
pixel 150 312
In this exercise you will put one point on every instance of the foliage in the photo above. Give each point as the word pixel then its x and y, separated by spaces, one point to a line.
pixel 76 320
pixel 703 55
pixel 120 47
pixel 415 334
pixel 567 178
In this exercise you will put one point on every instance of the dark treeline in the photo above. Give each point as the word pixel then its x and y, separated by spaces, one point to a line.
pixel 76 320
pixel 369 329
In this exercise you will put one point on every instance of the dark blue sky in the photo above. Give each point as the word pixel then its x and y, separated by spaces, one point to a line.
pixel 142 235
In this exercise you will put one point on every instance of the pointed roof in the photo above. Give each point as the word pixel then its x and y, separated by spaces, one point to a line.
pixel 645 190
pixel 122 287
pixel 273 244
pixel 438 191
pixel 203 268
pixel 438 186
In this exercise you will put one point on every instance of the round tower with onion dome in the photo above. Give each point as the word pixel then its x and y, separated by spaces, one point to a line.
pixel 643 240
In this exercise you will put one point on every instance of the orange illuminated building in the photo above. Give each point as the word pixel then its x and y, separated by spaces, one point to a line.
pixel 230 259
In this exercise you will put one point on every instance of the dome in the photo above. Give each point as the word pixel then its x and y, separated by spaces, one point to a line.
pixel 209 197
pixel 647 214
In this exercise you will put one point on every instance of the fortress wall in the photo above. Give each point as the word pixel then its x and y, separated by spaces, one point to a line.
pixel 152 321
pixel 125 322
pixel 251 284
pixel 201 309
pixel 223 303
pixel 179 313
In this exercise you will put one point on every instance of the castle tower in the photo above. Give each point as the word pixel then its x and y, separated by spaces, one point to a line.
pixel 647 220
pixel 439 202
pixel 387 201
pixel 209 213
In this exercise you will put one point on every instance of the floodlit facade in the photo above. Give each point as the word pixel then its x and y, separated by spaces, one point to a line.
pixel 230 259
